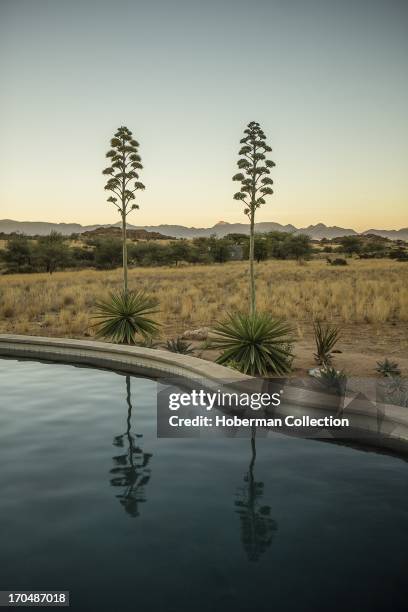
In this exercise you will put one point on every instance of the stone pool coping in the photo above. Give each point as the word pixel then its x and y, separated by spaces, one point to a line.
pixel 384 426
pixel 131 359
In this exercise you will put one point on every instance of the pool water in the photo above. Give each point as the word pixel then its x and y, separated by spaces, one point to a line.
pixel 92 502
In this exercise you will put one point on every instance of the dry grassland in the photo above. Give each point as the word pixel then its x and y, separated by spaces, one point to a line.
pixel 368 298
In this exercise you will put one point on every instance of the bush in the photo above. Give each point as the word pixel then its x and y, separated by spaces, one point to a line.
pixel 351 244
pixel 82 257
pixel 108 253
pixel 123 316
pixel 257 344
pixel 19 255
pixel 220 250
pixel 179 346
pixel 52 253
pixel 399 254
pixel 261 250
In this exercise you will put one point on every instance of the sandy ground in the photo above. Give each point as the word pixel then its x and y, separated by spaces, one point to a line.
pixel 361 347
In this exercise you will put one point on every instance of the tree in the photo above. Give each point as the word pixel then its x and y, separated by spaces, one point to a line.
pixel 52 252
pixel 260 249
pixel 108 253
pixel 179 250
pixel 220 250
pixel 18 254
pixel 298 246
pixel 255 186
pixel 350 244
pixel 123 181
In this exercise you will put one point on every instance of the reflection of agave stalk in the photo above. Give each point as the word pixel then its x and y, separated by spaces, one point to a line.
pixel 131 471
pixel 257 527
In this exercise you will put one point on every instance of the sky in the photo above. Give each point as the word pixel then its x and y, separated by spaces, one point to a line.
pixel 326 79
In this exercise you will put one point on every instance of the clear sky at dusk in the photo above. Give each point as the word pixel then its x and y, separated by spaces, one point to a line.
pixel 327 80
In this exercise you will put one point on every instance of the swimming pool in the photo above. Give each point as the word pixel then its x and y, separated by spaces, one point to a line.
pixel 92 502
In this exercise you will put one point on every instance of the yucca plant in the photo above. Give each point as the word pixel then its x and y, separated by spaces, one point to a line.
pixel 124 316
pixel 388 368
pixel 326 338
pixel 256 343
pixel 178 345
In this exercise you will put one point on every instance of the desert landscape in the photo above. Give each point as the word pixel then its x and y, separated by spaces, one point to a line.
pixel 367 300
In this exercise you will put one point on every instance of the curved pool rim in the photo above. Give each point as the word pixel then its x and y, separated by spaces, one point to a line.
pixel 389 435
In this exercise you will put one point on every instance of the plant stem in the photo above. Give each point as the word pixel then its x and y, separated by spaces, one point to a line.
pixel 252 305
pixel 124 254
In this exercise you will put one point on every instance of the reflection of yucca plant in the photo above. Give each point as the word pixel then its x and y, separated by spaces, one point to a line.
pixel 325 338
pixel 179 346
pixel 123 316
pixel 333 379
pixel 257 344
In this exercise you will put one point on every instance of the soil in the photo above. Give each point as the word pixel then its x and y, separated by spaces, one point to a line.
pixel 360 347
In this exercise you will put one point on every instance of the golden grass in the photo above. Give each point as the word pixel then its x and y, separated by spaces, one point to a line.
pixel 364 292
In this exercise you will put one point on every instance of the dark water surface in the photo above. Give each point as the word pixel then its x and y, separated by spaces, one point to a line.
pixel 92 502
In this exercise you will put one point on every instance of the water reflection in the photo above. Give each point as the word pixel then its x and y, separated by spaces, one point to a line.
pixel 131 471
pixel 257 526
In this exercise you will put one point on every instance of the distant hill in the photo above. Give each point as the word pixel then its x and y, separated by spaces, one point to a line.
pixel 116 232
pixel 222 228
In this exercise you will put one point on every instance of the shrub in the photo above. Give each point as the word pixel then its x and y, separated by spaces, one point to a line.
pixel 123 316
pixel 178 345
pixel 325 339
pixel 388 368
pixel 257 344
pixel 351 244
pixel 19 255
pixel 52 253
pixel 108 253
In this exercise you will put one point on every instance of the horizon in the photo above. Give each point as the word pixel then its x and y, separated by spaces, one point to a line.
pixel 333 113
pixel 221 222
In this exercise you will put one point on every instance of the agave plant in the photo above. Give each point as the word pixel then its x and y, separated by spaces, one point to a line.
pixel 178 345
pixel 388 368
pixel 257 343
pixel 326 338
pixel 123 316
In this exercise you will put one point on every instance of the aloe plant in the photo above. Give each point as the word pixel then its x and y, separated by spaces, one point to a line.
pixel 256 343
pixel 125 315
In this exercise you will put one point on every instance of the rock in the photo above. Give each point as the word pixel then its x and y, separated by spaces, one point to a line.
pixel 196 334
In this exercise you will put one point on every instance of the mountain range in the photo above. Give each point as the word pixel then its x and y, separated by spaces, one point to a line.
pixel 316 232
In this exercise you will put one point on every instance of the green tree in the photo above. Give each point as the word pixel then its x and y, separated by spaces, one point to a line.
pixel 299 246
pixel 108 253
pixel 179 250
pixel 260 249
pixel 350 244
pixel 123 182
pixel 52 252
pixel 18 254
pixel 255 186
pixel 220 250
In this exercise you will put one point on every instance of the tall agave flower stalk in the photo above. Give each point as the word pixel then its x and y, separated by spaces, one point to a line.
pixel 255 186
